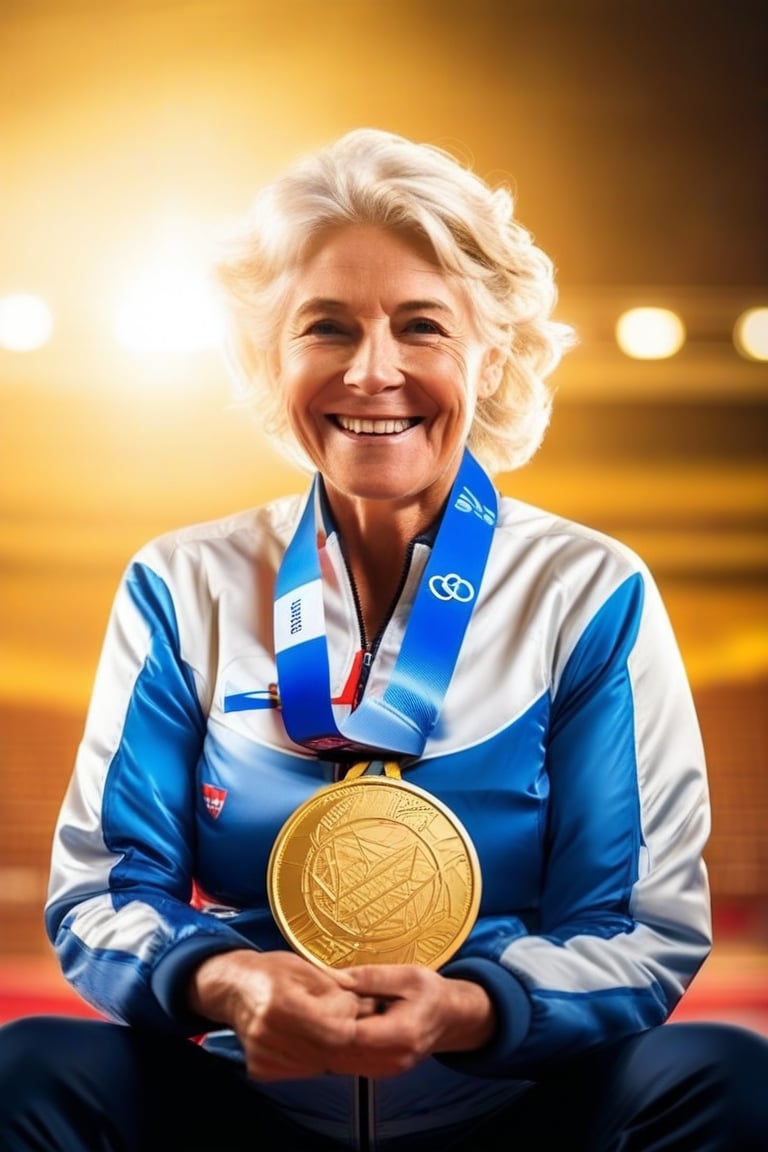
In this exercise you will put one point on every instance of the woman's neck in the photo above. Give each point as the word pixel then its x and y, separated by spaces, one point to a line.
pixel 376 537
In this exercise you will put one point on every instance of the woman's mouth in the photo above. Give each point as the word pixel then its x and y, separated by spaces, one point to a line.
pixel 371 427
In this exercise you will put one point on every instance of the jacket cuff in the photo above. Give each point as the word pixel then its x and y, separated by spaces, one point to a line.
pixel 172 973
pixel 513 1017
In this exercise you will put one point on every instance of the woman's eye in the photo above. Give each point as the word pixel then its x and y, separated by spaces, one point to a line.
pixel 323 328
pixel 423 327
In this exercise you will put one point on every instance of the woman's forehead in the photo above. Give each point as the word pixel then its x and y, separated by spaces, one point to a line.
pixel 342 263
pixel 367 242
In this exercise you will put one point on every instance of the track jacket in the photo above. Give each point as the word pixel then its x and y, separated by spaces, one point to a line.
pixel 567 745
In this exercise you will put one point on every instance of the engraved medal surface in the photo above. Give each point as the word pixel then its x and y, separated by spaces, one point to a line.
pixel 374 870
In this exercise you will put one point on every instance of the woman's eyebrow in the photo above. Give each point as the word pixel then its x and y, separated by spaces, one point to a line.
pixel 329 304
pixel 427 305
pixel 318 304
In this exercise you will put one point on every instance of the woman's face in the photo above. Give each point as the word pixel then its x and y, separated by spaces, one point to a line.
pixel 380 365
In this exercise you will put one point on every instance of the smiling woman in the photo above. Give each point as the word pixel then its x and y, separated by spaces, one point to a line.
pixel 397 780
pixel 380 367
pixel 380 373
pixel 422 199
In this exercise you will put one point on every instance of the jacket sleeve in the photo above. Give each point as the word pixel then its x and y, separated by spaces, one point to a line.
pixel 118 911
pixel 624 919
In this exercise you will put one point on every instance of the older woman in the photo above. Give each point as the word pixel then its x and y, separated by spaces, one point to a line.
pixel 391 796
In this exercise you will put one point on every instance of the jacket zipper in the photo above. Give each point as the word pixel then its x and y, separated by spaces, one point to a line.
pixel 365 1101
pixel 369 650
pixel 366 1115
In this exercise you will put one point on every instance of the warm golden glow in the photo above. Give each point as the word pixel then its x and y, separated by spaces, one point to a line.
pixel 650 333
pixel 26 322
pixel 168 309
pixel 750 334
pixel 137 136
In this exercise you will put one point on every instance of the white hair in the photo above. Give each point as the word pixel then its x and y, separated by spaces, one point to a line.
pixel 373 177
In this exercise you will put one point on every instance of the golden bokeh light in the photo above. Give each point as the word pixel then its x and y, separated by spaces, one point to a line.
pixel 26 322
pixel 168 309
pixel 750 334
pixel 650 333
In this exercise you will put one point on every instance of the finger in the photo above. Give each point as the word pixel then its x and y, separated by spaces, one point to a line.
pixel 382 981
pixel 307 1039
pixel 385 1026
pixel 369 1006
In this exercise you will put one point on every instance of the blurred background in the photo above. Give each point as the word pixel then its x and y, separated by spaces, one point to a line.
pixel 131 134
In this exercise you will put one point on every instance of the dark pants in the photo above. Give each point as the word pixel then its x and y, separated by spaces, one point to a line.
pixel 86 1086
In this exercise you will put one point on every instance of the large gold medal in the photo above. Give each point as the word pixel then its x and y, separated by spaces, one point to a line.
pixel 374 870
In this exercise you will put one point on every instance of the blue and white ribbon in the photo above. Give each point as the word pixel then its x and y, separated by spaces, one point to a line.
pixel 401 719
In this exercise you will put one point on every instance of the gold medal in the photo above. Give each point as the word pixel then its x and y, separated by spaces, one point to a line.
pixel 374 870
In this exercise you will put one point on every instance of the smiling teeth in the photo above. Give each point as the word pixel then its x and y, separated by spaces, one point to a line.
pixel 374 427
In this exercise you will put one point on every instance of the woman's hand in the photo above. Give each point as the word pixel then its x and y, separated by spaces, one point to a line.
pixel 418 1012
pixel 292 1018
pixel 296 1020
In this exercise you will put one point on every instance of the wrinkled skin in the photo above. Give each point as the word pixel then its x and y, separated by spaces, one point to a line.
pixel 296 1020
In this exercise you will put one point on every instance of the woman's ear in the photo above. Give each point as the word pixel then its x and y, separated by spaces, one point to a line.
pixel 490 373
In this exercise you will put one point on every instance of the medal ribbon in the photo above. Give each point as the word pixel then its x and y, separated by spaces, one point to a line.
pixel 401 719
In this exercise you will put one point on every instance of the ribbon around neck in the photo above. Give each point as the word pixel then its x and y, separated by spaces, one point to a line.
pixel 401 719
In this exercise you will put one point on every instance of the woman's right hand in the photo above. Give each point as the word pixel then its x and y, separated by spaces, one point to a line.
pixel 291 1017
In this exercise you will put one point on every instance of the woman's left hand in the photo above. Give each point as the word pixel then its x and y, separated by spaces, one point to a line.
pixel 420 1013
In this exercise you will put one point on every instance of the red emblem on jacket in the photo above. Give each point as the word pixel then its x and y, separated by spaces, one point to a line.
pixel 214 799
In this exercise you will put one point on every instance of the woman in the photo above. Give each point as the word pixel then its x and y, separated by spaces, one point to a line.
pixel 479 947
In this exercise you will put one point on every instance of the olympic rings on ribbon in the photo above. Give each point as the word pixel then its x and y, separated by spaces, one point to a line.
pixel 451 587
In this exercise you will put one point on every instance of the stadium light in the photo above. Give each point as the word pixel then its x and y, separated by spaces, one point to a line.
pixel 168 309
pixel 750 334
pixel 26 322
pixel 650 333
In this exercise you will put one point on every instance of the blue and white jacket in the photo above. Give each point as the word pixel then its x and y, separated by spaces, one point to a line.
pixel 567 745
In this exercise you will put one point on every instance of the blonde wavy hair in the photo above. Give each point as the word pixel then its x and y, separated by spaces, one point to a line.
pixel 369 176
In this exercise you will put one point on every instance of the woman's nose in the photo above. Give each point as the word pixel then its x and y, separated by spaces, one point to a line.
pixel 375 365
